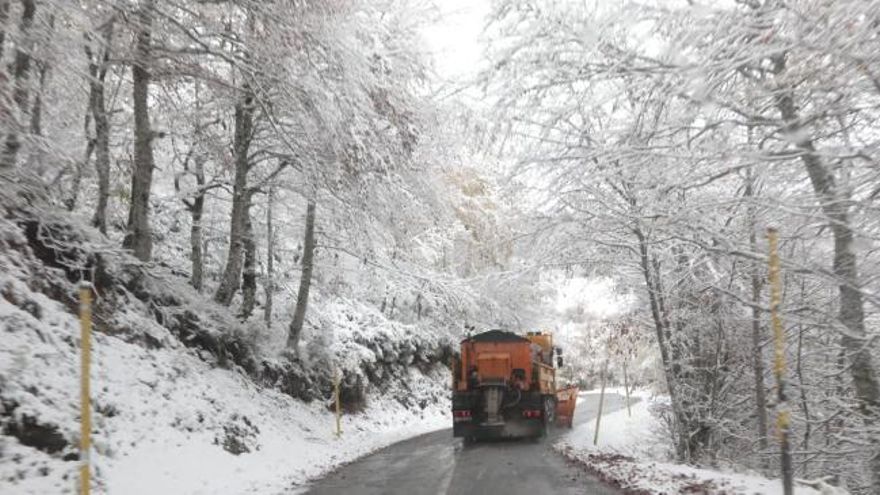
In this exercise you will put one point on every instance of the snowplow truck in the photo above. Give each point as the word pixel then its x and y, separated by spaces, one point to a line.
pixel 504 385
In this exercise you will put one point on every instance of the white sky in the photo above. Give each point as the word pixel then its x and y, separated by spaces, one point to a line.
pixel 455 39
pixel 455 43
pixel 594 296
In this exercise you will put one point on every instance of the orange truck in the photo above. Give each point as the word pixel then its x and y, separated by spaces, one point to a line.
pixel 504 385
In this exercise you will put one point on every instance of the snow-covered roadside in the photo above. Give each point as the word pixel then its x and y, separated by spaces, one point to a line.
pixel 630 452
pixel 167 420
pixel 170 421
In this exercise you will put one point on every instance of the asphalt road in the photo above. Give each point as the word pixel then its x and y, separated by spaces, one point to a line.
pixel 437 463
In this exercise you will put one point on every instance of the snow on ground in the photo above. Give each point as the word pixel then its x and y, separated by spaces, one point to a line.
pixel 630 454
pixel 618 433
pixel 166 421
pixel 173 413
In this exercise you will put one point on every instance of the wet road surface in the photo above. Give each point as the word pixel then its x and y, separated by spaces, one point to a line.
pixel 437 463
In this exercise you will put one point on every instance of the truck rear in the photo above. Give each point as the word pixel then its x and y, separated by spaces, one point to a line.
pixel 504 385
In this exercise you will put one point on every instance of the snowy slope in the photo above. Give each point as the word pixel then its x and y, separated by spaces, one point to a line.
pixel 172 417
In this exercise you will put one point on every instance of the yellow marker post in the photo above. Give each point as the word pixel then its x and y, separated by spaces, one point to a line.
pixel 782 418
pixel 85 440
pixel 336 380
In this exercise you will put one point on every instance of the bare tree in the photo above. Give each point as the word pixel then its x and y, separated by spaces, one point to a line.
pixel 269 286
pixel 249 270
pixel 21 67
pixel 757 334
pixel 99 64
pixel 4 19
pixel 739 90
pixel 240 216
pixel 305 280
pixel 195 205
pixel 37 155
pixel 138 235
pixel 834 203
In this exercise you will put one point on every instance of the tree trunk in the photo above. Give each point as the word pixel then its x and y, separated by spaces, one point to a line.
pixel 661 332
pixel 70 202
pixel 834 204
pixel 249 274
pixel 195 234
pixel 97 106
pixel 137 237
pixel 270 255
pixel 36 160
pixel 805 407
pixel 5 116
pixel 36 126
pixel 20 71
pixel 244 122
pixel 757 354
pixel 4 18
pixel 305 280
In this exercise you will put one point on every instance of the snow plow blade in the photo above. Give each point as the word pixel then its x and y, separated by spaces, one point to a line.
pixel 566 400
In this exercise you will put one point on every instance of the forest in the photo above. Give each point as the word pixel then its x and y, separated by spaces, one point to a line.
pixel 291 165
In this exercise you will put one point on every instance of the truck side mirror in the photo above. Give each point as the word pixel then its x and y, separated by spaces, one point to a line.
pixel 559 361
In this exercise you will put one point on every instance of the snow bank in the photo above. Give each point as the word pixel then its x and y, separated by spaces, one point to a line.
pixel 167 418
pixel 618 433
pixel 167 422
pixel 630 451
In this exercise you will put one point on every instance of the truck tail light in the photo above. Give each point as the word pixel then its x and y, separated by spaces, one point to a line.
pixel 461 415
pixel 532 413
